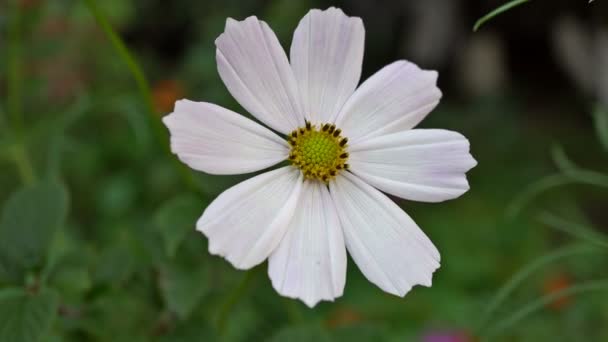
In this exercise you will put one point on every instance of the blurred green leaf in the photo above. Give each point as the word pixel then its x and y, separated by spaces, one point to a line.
pixel 120 315
pixel 29 221
pixel 600 121
pixel 26 317
pixel 115 264
pixel 72 281
pixel 176 218
pixel 183 287
pixel 301 333
pixel 360 333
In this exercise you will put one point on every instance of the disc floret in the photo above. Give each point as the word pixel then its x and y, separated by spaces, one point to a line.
pixel 319 152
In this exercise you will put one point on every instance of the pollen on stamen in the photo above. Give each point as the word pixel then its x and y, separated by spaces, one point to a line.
pixel 319 152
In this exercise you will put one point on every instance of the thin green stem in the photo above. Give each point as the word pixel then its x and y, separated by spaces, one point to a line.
pixel 233 297
pixel 497 11
pixel 17 152
pixel 561 160
pixel 577 230
pixel 515 317
pixel 533 190
pixel 14 72
pixel 570 176
pixel 24 167
pixel 600 121
pixel 143 87
pixel 125 55
pixel 527 271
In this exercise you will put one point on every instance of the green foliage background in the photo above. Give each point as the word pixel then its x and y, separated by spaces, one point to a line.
pixel 97 239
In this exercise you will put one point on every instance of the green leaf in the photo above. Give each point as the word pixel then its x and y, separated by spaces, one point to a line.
pixel 302 333
pixel 29 221
pixel 26 317
pixel 509 5
pixel 176 218
pixel 183 287
pixel 360 332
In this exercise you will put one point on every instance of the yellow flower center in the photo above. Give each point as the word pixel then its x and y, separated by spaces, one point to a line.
pixel 319 153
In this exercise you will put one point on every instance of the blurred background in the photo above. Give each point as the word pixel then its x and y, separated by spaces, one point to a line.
pixel 97 239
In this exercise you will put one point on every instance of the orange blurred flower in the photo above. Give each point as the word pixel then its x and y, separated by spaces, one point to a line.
pixel 28 4
pixel 343 316
pixel 165 93
pixel 554 284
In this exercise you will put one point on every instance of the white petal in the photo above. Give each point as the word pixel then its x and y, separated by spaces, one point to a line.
pixel 245 223
pixel 216 140
pixel 389 248
pixel 310 262
pixel 395 98
pixel 326 57
pixel 255 69
pixel 426 165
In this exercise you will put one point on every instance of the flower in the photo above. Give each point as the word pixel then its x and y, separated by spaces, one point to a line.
pixel 448 336
pixel 345 145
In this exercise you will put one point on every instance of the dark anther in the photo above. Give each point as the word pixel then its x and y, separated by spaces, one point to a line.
pixel 292 142
pixel 301 130
pixel 343 142
pixel 346 166
pixel 339 167
pixel 332 128
pixel 332 172
pixel 294 134
pixel 325 127
pixel 337 132
pixel 325 178
pixel 292 156
pixel 308 125
pixel 344 155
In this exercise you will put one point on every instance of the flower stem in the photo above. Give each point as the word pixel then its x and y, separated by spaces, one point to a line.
pixel 525 272
pixel 575 229
pixel 143 87
pixel 24 166
pixel 589 286
pixel 576 176
pixel 14 108
pixel 14 72
pixel 125 55
pixel 233 298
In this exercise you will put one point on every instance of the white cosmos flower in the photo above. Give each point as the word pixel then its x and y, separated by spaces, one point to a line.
pixel 303 217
